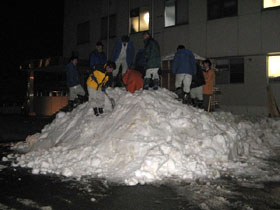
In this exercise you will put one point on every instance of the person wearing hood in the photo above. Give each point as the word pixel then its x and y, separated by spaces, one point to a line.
pixel 122 55
pixel 184 67
pixel 152 61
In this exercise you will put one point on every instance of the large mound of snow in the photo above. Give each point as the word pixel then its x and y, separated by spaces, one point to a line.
pixel 148 137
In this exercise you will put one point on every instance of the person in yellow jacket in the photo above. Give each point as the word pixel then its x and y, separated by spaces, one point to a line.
pixel 96 84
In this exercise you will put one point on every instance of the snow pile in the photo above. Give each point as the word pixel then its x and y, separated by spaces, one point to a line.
pixel 148 137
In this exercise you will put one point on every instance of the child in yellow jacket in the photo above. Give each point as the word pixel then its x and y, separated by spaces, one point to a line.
pixel 96 86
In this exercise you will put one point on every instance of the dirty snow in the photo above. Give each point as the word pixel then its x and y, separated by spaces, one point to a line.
pixel 151 137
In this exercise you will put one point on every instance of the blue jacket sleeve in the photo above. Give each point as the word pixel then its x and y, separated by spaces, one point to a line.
pixel 175 64
pixel 116 50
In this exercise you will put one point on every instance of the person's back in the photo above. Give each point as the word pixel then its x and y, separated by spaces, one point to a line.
pixel 184 62
pixel 133 80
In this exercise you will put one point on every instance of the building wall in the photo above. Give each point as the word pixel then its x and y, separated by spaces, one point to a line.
pixel 253 34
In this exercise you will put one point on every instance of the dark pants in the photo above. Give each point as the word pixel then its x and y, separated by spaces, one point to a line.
pixel 206 98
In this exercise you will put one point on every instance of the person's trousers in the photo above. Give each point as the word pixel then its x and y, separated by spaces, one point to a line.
pixel 120 62
pixel 153 72
pixel 186 79
pixel 197 93
pixel 75 91
pixel 206 101
pixel 96 98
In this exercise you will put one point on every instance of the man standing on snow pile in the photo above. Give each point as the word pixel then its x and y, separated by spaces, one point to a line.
pixel 209 76
pixel 122 55
pixel 196 87
pixel 76 91
pixel 96 86
pixel 152 57
pixel 97 56
pixel 184 67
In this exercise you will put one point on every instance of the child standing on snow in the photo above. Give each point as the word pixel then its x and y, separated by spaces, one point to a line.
pixel 96 85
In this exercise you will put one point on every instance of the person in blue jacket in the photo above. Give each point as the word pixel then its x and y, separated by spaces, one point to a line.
pixel 76 91
pixel 97 56
pixel 184 67
pixel 123 55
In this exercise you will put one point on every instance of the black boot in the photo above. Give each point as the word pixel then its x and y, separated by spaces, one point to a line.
pixel 179 92
pixel 156 81
pixel 146 83
pixel 186 98
pixel 95 111
pixel 69 107
pixel 194 102
pixel 100 110
pixel 200 104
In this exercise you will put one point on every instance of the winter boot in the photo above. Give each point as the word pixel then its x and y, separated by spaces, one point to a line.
pixel 194 102
pixel 156 81
pixel 146 83
pixel 69 107
pixel 186 98
pixel 200 104
pixel 100 110
pixel 95 111
pixel 179 92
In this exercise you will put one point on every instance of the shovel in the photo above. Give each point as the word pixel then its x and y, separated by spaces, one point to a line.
pixel 113 103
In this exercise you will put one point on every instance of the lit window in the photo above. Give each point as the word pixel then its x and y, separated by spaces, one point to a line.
pixel 169 13
pixel 271 3
pixel 139 19
pixel 176 12
pixel 274 66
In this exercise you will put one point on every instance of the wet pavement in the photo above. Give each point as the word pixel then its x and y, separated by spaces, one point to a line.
pixel 20 189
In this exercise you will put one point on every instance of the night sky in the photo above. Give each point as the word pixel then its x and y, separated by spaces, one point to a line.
pixel 29 30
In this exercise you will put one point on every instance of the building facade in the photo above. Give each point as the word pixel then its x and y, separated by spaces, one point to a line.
pixel 242 36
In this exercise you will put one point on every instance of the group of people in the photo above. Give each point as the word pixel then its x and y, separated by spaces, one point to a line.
pixel 193 85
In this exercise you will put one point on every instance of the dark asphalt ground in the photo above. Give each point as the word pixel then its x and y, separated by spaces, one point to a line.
pixel 19 189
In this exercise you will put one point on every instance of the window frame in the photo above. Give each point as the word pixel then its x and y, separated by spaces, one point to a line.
pixel 229 67
pixel 111 35
pixel 80 34
pixel 221 9
pixel 139 22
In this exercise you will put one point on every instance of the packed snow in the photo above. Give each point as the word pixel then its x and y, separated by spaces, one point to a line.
pixel 150 137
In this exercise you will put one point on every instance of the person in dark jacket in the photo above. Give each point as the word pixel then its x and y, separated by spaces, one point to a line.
pixel 152 58
pixel 123 55
pixel 196 87
pixel 96 85
pixel 184 67
pixel 97 56
pixel 76 91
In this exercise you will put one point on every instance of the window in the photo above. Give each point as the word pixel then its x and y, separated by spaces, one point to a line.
pixel 139 19
pixel 83 33
pixel 112 26
pixel 176 12
pixel 230 70
pixel 271 3
pixel 221 8
pixel 274 67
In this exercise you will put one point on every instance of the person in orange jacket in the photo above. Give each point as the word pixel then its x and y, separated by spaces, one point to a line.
pixel 133 80
pixel 209 76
